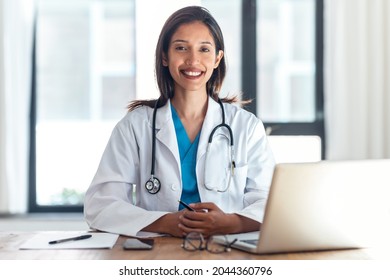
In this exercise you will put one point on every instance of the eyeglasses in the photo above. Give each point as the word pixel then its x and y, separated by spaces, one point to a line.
pixel 195 241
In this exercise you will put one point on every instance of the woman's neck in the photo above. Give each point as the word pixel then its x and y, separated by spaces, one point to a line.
pixel 191 109
pixel 190 106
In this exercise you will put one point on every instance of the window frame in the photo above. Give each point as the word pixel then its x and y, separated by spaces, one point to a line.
pixel 249 87
pixel 249 75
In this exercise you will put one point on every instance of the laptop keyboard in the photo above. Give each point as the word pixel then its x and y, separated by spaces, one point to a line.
pixel 251 241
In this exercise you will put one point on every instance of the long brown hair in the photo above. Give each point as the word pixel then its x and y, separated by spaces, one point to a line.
pixel 164 79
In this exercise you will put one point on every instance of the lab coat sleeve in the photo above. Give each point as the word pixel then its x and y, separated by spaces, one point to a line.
pixel 261 165
pixel 108 204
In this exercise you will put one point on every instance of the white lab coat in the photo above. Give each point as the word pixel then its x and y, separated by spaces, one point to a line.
pixel 113 205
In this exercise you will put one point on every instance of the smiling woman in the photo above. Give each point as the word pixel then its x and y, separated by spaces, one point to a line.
pixel 230 195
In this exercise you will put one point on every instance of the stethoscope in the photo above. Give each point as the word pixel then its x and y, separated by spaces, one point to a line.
pixel 153 185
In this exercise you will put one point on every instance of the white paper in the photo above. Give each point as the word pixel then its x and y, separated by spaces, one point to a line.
pixel 99 240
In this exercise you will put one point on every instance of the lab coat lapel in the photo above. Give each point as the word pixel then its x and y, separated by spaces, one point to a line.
pixel 212 119
pixel 166 133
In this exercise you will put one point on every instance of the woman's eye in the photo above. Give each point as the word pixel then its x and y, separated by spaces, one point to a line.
pixel 205 50
pixel 180 48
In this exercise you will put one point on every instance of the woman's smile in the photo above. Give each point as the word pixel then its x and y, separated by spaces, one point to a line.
pixel 191 73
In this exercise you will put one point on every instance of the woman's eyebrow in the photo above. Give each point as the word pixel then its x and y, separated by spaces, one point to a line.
pixel 180 41
pixel 185 41
pixel 206 43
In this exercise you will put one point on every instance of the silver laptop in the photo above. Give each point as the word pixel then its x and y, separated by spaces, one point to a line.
pixel 322 206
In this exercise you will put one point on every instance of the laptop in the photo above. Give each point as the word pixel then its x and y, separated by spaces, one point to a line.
pixel 322 206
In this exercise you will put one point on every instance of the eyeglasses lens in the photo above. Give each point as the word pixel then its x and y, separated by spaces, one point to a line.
pixel 216 248
pixel 193 241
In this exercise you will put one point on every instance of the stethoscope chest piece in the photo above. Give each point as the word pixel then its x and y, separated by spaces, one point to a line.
pixel 153 185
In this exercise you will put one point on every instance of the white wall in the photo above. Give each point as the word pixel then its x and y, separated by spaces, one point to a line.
pixel 357 84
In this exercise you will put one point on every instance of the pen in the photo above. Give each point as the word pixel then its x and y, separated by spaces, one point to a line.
pixel 81 237
pixel 186 205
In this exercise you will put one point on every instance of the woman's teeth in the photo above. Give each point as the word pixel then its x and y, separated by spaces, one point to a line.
pixel 192 73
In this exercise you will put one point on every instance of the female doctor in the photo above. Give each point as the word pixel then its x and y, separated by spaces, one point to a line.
pixel 187 145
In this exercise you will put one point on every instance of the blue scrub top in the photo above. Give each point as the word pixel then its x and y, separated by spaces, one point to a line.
pixel 187 151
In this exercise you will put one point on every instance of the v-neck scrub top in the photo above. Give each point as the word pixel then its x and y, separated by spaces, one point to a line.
pixel 187 151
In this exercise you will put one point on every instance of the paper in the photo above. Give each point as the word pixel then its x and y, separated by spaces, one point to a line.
pixel 99 240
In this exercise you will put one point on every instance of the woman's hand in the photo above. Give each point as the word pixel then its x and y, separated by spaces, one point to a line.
pixel 208 219
pixel 167 224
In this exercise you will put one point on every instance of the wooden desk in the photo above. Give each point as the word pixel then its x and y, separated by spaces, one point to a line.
pixel 167 248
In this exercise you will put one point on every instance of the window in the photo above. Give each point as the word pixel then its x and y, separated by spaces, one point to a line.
pixel 85 76
pixel 86 73
pixel 282 58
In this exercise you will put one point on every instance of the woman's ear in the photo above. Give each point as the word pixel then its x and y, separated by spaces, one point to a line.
pixel 164 60
pixel 218 59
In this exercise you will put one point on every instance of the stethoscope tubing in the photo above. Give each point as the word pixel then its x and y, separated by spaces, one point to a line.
pixel 154 138
pixel 153 185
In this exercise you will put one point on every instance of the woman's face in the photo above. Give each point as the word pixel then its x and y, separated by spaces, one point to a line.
pixel 192 57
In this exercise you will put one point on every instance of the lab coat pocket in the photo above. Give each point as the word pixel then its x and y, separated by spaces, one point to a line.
pixel 216 179
pixel 239 178
pixel 223 179
pixel 217 162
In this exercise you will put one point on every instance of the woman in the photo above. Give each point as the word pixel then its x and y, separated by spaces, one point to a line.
pixel 227 188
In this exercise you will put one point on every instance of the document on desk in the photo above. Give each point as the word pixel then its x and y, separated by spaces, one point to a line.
pixel 98 240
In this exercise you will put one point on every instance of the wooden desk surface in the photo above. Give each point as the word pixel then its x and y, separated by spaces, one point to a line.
pixel 167 248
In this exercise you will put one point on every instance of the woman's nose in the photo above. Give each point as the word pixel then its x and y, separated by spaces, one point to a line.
pixel 192 58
